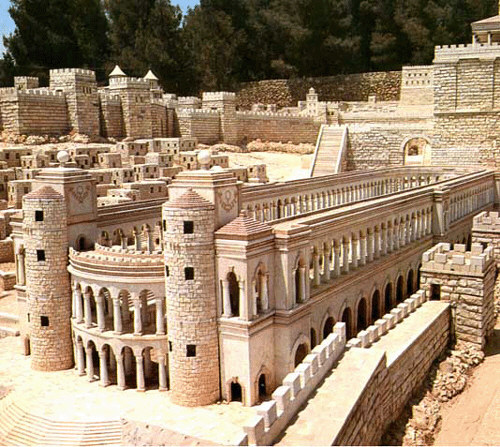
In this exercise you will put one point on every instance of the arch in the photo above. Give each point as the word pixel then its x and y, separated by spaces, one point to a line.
pixel 261 287
pixel 362 315
pixel 314 338
pixel 388 299
pixel 400 289
pixel 234 294
pixel 347 319
pixel 300 354
pixel 376 312
pixel 328 327
pixel 82 243
pixel 300 279
pixel 236 392
pixel 409 283
pixel 148 310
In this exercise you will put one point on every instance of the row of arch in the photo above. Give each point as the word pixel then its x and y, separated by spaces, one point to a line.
pixel 144 238
pixel 296 204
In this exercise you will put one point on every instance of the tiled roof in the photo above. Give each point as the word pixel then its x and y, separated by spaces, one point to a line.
pixel 45 192
pixel 189 200
pixel 244 227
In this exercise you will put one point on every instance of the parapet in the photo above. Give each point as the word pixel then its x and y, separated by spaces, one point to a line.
pixel 487 221
pixel 219 96
pixel 72 71
pixel 450 53
pixel 129 82
pixel 442 259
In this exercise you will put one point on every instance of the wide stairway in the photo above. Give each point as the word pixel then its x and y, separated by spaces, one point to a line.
pixel 330 149
pixel 18 427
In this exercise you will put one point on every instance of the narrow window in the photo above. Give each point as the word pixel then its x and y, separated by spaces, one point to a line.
pixel 189 273
pixel 39 216
pixel 44 321
pixel 191 350
pixel 164 225
pixel 170 346
pixel 167 271
pixel 435 292
pixel 188 227
pixel 40 255
pixel 28 318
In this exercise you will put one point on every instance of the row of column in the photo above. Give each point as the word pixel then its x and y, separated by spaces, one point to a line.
pixel 143 241
pixel 358 250
pixel 468 205
pixel 121 363
pixel 83 312
pixel 302 204
pixel 247 309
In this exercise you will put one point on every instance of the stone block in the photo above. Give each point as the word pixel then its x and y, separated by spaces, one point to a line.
pixel 405 309
pixel 364 338
pixel 312 360
pixel 282 396
pixel 460 248
pixel 391 320
pixel 411 304
pixel 476 249
pixel 331 342
pixel 269 411
pixel 398 314
pixel 255 429
pixel 458 259
pixel 440 258
pixel 340 330
pixel 373 333
pixel 382 326
pixel 304 370
pixel 321 352
pixel 292 380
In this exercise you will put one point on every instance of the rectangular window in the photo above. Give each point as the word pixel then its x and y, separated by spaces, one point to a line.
pixel 40 255
pixel 170 346
pixel 164 225
pixel 188 227
pixel 38 216
pixel 191 350
pixel 189 273
pixel 435 292
pixel 28 318
pixel 44 321
pixel 167 271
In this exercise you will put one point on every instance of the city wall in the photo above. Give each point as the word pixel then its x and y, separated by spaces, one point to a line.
pixel 352 87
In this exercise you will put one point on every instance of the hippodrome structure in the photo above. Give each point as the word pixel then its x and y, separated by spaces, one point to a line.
pixel 255 293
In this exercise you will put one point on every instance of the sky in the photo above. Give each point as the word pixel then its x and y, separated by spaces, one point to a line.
pixel 7 25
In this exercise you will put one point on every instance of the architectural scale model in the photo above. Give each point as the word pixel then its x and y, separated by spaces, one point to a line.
pixel 150 264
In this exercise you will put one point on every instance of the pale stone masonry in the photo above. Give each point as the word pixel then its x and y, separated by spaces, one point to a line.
pixel 466 279
pixel 47 283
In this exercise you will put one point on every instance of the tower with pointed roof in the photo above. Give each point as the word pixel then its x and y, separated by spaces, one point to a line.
pixel 189 249
pixel 48 291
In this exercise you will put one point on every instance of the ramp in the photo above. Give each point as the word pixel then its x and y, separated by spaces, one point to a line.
pixel 330 150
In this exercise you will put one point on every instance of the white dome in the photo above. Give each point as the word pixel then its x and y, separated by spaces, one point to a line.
pixel 204 157
pixel 62 157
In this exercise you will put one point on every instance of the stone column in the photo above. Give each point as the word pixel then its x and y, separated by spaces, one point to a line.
pixel 78 305
pixel 80 358
pixel 101 321
pixel 149 239
pixel 253 305
pixel 160 317
pixel 137 316
pixel 336 258
pixel 408 232
pixel 244 311
pixel 90 363
pixel 376 244
pixel 355 244
pixel 139 367
pixel 162 372
pixel 21 267
pixel 396 240
pixel 120 371
pixel 88 309
pixel 264 291
pixel 362 249
pixel 370 245
pixel 383 247
pixel 147 364
pixel 226 299
pixel 103 369
pixel 117 316
pixel 124 241
pixel 303 281
pixel 389 238
pixel 326 262
pixel 345 255
pixel 137 241
pixel 316 277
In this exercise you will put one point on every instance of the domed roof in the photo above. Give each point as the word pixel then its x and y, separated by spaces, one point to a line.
pixel 189 200
pixel 44 192
pixel 244 227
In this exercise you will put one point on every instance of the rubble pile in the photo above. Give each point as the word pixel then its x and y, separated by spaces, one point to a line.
pixel 418 425
pixel 289 148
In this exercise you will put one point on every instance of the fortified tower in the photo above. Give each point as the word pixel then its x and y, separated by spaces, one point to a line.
pixel 189 224
pixel 225 103
pixel 47 281
pixel 82 97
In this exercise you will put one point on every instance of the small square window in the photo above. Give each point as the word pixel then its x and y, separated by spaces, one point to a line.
pixel 189 273
pixel 188 227
pixel 44 321
pixel 191 350
pixel 40 255
pixel 38 216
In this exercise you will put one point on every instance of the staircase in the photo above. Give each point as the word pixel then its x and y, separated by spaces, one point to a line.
pixel 8 324
pixel 18 427
pixel 330 150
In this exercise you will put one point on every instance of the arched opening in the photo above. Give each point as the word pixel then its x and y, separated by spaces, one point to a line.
pixel 313 338
pixel 418 276
pixel 148 311
pixel 296 278
pixel 300 280
pixel 234 294
pixel 126 311
pixel 262 386
pixel 151 379
pixel 362 315
pixel 94 372
pixel 129 367
pixel 388 297
pixel 409 283
pixel 82 244
pixel 469 242
pixel 300 354
pixel 236 392
pixel 328 327
pixel 399 290
pixel 347 319
pixel 375 306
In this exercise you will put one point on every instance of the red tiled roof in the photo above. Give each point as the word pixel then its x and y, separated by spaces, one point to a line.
pixel 244 227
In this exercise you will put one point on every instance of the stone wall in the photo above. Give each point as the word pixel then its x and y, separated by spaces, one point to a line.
pixel 159 120
pixel 7 250
pixel 486 230
pixel 353 87
pixel 111 116
pixel 202 124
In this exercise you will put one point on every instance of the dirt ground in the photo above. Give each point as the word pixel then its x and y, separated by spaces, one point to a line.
pixel 280 166
pixel 473 418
